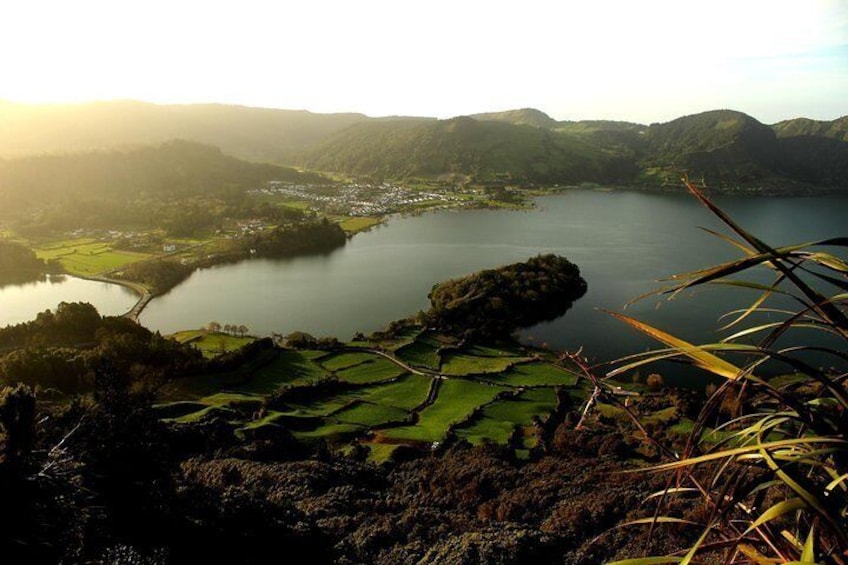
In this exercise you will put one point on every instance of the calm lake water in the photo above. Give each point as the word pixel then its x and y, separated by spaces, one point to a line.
pixel 622 241
pixel 21 303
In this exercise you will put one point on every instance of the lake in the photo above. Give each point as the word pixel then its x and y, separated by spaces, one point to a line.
pixel 22 302
pixel 622 241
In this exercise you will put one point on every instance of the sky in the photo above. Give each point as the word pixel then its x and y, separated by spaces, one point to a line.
pixel 644 61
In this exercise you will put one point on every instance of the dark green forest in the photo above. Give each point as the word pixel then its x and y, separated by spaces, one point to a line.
pixel 495 302
pixel 18 263
pixel 182 187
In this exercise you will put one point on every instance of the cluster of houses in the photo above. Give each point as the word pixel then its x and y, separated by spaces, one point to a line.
pixel 358 199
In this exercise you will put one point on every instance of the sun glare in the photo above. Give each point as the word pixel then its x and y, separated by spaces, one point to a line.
pixel 438 58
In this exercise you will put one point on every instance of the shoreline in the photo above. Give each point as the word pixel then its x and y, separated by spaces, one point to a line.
pixel 144 294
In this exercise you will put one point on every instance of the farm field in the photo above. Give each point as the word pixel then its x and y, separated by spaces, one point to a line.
pixel 355 225
pixel 499 420
pixel 457 399
pixel 212 344
pixel 356 394
pixel 88 257
pixel 534 374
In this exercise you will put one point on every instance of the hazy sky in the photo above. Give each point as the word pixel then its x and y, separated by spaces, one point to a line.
pixel 640 60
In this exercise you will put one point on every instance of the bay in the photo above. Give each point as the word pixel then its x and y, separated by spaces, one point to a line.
pixel 622 241
pixel 23 302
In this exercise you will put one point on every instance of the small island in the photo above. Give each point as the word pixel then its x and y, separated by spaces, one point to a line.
pixel 495 302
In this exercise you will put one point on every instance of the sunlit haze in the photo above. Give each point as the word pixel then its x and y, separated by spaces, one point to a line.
pixel 643 61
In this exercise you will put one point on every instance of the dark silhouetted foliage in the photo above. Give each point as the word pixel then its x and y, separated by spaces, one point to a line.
pixel 495 302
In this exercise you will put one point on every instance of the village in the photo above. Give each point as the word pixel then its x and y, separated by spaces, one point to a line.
pixel 361 199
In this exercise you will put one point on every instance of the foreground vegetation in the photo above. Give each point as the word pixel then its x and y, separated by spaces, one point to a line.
pixel 19 264
pixel 775 489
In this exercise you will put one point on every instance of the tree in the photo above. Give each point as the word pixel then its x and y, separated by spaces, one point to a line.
pixel 242 329
pixel 17 418
pixel 214 327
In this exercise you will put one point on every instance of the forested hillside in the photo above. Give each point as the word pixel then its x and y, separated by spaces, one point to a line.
pixel 464 147
pixel 834 129
pixel 175 167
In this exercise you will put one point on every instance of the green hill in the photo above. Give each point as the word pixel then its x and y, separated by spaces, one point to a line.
pixel 522 117
pixel 257 134
pixel 481 150
pixel 804 127
pixel 723 147
pixel 726 149
pixel 731 150
pixel 172 168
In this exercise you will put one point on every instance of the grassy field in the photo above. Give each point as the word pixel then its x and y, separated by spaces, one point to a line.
pixel 288 368
pixel 88 257
pixel 407 392
pixel 501 417
pixel 379 395
pixel 420 354
pixel 534 373
pixel 211 344
pixel 459 364
pixel 338 361
pixel 456 401
pixel 368 414
pixel 355 225
pixel 372 371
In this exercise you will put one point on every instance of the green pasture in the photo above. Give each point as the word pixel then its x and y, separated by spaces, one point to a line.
pixel 456 401
pixel 512 350
pixel 230 405
pixel 212 344
pixel 88 257
pixel 407 392
pixel 378 392
pixel 327 405
pixel 355 225
pixel 289 367
pixel 405 337
pixel 419 354
pixel 336 432
pixel 371 371
pixel 368 414
pixel 338 361
pixel 501 417
pixel 534 373
pixel 459 364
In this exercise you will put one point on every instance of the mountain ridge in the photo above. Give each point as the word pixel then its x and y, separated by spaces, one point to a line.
pixel 727 149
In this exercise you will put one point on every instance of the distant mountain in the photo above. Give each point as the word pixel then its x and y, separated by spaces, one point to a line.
pixel 522 117
pixel 815 150
pixel 730 150
pixel 172 168
pixel 798 127
pixel 467 148
pixel 726 149
pixel 622 137
pixel 723 147
pixel 258 134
